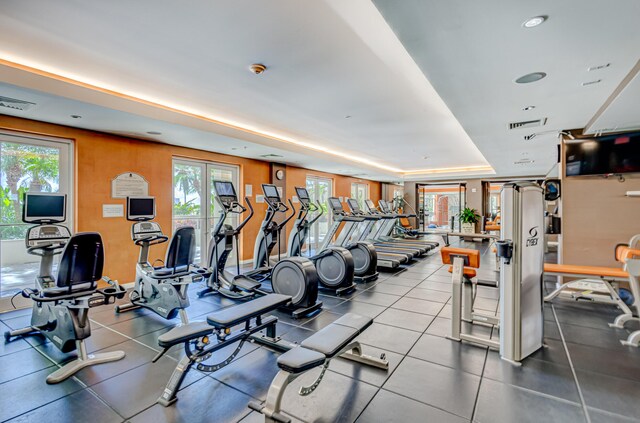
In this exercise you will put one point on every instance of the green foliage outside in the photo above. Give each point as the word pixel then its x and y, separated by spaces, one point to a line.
pixel 23 168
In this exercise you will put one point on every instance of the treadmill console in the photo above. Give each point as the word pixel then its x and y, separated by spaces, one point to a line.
pixel 141 230
pixel 47 235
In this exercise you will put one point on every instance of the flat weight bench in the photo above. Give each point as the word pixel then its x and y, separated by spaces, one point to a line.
pixel 336 339
pixel 464 262
pixel 196 337
pixel 595 277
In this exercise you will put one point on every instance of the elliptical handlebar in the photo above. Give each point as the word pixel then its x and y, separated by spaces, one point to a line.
pixel 316 207
pixel 244 209
pixel 284 210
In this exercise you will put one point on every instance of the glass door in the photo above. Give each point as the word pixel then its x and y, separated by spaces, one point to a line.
pixel 320 189
pixel 27 165
pixel 441 205
pixel 194 200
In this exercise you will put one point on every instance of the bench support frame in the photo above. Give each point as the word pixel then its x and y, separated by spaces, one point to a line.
pixel 272 406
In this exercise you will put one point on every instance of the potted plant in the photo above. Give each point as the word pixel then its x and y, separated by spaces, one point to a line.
pixel 468 219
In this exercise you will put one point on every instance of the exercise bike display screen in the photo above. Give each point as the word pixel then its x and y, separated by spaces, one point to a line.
pixel 40 208
pixel 335 204
pixel 303 194
pixel 225 189
pixel 141 208
pixel 271 192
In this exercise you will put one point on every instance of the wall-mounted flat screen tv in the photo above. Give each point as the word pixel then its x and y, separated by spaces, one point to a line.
pixel 604 155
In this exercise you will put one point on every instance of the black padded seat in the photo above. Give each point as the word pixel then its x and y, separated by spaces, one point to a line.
pixel 59 291
pixel 354 321
pixel 181 334
pixel 162 272
pixel 330 340
pixel 242 312
pixel 299 360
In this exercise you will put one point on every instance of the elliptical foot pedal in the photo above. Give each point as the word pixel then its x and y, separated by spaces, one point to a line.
pixel 346 289
pixel 245 283
pixel 306 311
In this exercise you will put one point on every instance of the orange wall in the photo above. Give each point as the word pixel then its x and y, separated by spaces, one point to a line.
pixel 100 157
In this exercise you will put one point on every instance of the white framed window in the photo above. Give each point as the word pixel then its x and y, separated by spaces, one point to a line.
pixel 28 163
pixel 360 192
pixel 194 199
pixel 320 189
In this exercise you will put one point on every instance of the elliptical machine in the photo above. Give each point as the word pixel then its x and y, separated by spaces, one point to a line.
pixel 334 264
pixel 293 276
pixel 163 289
pixel 61 303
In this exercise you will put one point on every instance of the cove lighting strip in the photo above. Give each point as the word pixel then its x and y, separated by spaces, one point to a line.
pixel 48 72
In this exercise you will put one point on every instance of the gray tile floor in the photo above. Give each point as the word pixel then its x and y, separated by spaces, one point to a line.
pixel 583 374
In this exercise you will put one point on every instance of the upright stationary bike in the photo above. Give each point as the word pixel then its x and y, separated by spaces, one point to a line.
pixel 334 264
pixel 61 302
pixel 163 289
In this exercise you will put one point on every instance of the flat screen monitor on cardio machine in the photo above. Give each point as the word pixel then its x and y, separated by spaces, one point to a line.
pixel 355 207
pixel 335 204
pixel 141 208
pixel 44 208
pixel 370 204
pixel 271 193
pixel 225 190
pixel 303 195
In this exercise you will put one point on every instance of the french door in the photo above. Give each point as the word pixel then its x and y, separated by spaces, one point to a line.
pixel 320 189
pixel 27 164
pixel 440 205
pixel 194 200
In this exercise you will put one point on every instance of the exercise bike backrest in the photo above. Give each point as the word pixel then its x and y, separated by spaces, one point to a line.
pixel 182 250
pixel 81 263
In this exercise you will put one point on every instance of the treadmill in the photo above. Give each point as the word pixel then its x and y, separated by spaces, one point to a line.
pixel 374 224
pixel 385 208
pixel 346 235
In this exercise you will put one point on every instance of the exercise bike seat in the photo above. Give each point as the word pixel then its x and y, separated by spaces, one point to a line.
pixel 240 313
pixel 166 272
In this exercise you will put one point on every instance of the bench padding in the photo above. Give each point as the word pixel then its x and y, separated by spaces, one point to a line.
pixel 579 270
pixel 242 312
pixel 354 321
pixel 299 360
pixel 330 340
pixel 181 334
pixel 334 337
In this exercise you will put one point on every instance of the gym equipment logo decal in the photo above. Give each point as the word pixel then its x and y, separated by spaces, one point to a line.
pixel 533 237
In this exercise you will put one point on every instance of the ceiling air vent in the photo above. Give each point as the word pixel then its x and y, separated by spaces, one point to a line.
pixel 524 162
pixel 12 103
pixel 528 123
pixel 271 156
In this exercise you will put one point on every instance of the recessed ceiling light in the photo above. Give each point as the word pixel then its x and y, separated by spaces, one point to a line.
pixel 347 117
pixel 531 77
pixel 257 68
pixel 154 133
pixel 76 116
pixel 425 157
pixel 528 108
pixel 597 81
pixel 535 21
